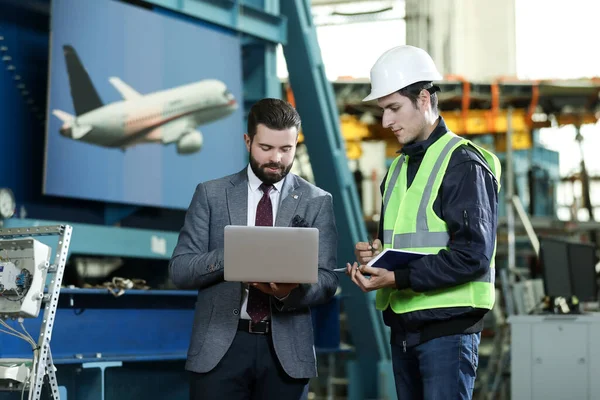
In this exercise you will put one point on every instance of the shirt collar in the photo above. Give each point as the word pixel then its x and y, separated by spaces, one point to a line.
pixel 255 182
pixel 416 148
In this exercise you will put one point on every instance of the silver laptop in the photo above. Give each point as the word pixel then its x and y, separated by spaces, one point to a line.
pixel 271 254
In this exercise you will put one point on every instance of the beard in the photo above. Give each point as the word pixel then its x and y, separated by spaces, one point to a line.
pixel 267 176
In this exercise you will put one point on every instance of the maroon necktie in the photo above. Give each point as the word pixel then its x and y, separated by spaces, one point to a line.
pixel 258 302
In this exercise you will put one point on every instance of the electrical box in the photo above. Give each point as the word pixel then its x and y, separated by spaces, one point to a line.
pixel 24 264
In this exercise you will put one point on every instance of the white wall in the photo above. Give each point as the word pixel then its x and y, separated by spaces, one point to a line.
pixel 557 39
pixel 351 50
pixel 472 38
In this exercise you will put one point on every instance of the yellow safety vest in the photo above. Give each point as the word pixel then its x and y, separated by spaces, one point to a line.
pixel 410 223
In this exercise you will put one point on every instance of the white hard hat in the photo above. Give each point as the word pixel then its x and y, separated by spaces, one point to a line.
pixel 399 67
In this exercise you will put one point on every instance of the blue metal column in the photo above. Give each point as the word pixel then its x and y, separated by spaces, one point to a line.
pixel 102 366
pixel 260 72
pixel 259 67
pixel 315 102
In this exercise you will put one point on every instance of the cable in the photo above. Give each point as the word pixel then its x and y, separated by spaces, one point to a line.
pixel 14 332
pixel 29 339
pixel 25 330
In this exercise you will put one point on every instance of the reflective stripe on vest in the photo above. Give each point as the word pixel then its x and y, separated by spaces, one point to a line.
pixel 420 229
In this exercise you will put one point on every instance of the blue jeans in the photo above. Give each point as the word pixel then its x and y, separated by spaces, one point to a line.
pixel 443 368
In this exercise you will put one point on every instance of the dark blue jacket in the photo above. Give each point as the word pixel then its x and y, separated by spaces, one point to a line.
pixel 468 202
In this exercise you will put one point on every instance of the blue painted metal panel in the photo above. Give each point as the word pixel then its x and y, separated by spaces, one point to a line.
pixel 114 213
pixel 316 104
pixel 233 14
pixel 92 325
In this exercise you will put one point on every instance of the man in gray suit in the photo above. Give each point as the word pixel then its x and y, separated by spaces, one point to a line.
pixel 254 340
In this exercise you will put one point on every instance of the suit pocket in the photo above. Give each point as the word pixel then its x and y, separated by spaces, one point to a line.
pixel 202 320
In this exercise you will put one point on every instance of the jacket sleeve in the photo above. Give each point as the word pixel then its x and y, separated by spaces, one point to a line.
pixel 192 266
pixel 307 295
pixel 469 201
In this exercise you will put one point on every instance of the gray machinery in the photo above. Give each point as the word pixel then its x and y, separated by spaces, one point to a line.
pixel 27 281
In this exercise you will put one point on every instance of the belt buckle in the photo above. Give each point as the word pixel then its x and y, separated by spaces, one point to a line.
pixel 251 323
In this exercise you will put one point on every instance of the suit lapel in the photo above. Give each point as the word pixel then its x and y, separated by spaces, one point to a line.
pixel 237 199
pixel 290 197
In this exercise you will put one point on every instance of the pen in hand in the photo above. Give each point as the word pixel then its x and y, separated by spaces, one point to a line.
pixel 371 248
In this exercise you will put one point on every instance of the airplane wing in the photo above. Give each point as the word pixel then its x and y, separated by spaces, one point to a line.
pixel 172 131
pixel 126 91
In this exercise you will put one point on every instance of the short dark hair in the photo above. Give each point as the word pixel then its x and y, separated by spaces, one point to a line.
pixel 274 114
pixel 413 91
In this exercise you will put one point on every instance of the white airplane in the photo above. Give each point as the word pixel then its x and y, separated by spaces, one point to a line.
pixel 167 116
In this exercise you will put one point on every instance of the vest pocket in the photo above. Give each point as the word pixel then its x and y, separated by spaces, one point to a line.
pixel 467 226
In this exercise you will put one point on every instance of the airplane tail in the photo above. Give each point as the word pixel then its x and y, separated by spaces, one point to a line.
pixel 84 95
pixel 63 116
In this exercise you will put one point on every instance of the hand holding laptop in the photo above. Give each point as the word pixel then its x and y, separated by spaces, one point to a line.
pixel 279 290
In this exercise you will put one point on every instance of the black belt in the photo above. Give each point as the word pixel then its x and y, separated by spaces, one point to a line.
pixel 262 327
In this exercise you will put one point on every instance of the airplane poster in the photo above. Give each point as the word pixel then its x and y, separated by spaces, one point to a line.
pixel 142 105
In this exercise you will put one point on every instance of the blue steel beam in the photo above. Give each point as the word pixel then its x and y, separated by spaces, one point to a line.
pixel 259 72
pixel 109 241
pixel 114 213
pixel 315 102
pixel 238 15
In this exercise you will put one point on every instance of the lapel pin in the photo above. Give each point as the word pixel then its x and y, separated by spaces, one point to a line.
pixel 295 196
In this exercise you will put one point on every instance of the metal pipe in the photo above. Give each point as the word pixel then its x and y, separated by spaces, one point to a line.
pixel 535 243
pixel 510 215
pixel 585 186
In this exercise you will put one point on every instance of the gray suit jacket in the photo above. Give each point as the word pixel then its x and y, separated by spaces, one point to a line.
pixel 197 263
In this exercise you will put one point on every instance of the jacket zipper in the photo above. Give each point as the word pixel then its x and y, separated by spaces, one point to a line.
pixel 404 346
pixel 467 227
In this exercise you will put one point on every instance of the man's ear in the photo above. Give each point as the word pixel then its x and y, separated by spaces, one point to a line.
pixel 425 98
pixel 248 141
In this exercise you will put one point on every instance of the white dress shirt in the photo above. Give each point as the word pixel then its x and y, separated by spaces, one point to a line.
pixel 254 196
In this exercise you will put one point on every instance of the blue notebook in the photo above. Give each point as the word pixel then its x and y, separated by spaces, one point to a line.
pixel 392 259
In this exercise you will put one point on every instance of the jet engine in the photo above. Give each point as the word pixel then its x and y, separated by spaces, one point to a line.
pixel 190 142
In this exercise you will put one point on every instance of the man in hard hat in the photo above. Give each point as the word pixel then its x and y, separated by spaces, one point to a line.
pixel 440 197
